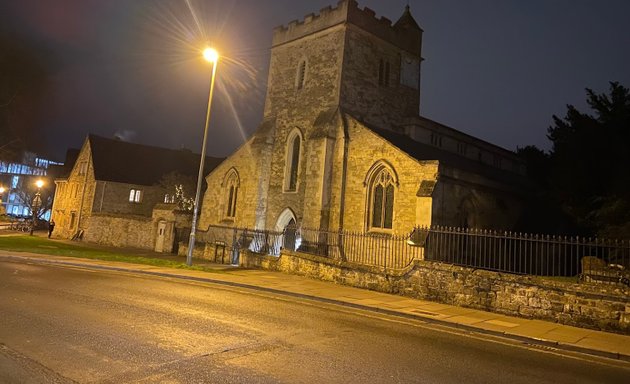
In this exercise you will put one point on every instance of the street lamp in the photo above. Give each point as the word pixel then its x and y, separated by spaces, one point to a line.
pixel 1 193
pixel 212 56
pixel 37 202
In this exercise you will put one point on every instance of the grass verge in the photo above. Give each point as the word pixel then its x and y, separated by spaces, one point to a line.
pixel 39 245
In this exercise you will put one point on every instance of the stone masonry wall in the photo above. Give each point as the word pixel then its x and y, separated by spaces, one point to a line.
pixel 365 149
pixel 121 231
pixel 585 305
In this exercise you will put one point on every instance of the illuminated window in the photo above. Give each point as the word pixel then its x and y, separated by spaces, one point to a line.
pixel 135 196
pixel 292 166
pixel 231 193
pixel 301 75
pixel 381 198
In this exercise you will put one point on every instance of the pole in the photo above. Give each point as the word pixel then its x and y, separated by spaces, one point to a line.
pixel 193 229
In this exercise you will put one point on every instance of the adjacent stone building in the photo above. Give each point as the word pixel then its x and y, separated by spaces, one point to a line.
pixel 342 145
pixel 112 195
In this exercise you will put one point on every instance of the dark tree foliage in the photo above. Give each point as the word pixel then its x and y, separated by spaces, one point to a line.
pixel 23 80
pixel 590 162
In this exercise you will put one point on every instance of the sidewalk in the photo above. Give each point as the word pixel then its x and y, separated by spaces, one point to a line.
pixel 535 332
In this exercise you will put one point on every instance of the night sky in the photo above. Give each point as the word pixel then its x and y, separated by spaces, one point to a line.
pixel 495 69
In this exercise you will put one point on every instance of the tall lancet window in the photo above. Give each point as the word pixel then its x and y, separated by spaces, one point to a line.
pixel 292 167
pixel 231 193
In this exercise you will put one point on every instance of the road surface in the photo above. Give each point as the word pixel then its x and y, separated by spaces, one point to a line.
pixel 63 325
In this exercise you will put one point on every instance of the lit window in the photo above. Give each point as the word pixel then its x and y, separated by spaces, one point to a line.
pixel 231 185
pixel 301 75
pixel 169 199
pixel 292 161
pixel 381 200
pixel 135 195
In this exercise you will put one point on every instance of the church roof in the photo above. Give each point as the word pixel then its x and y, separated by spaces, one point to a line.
pixel 407 21
pixel 425 152
pixel 124 162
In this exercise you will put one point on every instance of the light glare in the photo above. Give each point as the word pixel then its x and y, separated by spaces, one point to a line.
pixel 210 55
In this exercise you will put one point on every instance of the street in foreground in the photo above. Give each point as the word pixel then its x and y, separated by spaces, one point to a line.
pixel 67 324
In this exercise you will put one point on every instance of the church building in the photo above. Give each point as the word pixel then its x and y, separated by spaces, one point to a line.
pixel 342 145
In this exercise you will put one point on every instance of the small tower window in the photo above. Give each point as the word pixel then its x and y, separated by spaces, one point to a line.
pixel 301 75
pixel 383 73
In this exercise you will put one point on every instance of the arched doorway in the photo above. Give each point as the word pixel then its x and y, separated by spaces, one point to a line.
pixel 287 223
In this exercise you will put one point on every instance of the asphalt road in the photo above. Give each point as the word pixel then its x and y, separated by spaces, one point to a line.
pixel 61 325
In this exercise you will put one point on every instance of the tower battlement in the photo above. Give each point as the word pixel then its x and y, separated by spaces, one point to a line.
pixel 348 12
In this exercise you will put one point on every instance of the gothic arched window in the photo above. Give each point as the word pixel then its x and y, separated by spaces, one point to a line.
pixel 231 193
pixel 301 75
pixel 292 166
pixel 381 198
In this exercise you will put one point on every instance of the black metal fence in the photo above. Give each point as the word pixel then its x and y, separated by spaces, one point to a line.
pixel 373 249
pixel 522 253
pixel 591 259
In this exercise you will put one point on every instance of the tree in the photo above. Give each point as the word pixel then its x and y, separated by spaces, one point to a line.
pixel 23 81
pixel 180 189
pixel 590 160
pixel 27 190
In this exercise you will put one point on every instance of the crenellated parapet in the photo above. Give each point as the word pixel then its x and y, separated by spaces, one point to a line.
pixel 348 12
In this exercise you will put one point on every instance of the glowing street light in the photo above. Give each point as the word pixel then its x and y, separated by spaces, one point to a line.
pixel 37 202
pixel 212 56
pixel 1 193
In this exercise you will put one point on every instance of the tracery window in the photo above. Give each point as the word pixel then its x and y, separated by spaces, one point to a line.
pixel 292 166
pixel 381 189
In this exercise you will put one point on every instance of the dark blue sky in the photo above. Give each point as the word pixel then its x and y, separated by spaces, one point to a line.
pixel 494 69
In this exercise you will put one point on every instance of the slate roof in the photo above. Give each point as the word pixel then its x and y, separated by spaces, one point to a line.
pixel 124 162
pixel 423 152
pixel 407 21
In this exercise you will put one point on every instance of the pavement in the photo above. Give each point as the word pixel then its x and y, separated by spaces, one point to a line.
pixel 532 332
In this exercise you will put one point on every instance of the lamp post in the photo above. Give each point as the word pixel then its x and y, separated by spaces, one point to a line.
pixel 1 193
pixel 211 56
pixel 37 202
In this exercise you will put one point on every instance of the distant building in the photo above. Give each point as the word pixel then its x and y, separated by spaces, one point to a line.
pixel 342 145
pixel 14 175
pixel 111 191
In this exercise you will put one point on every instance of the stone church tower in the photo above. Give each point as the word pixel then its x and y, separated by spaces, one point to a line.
pixel 342 145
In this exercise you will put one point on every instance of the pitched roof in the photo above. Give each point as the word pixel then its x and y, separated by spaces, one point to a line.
pixel 407 21
pixel 124 162
pixel 421 152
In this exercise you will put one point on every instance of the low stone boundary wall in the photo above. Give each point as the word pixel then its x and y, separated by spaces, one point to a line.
pixel 587 305
pixel 121 231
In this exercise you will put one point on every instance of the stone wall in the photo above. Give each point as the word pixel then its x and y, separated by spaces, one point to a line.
pixel 594 306
pixel 121 231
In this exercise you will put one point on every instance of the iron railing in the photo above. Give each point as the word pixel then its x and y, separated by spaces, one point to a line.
pixel 373 249
pixel 531 254
pixel 591 259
